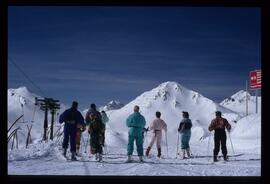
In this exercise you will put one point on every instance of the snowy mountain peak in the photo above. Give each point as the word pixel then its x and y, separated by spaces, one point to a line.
pixel 240 97
pixel 21 91
pixel 170 86
pixel 112 105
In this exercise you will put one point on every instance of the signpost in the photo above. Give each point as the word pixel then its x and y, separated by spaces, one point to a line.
pixel 256 83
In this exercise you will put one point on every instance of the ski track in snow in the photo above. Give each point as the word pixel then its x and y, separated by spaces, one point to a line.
pixel 245 164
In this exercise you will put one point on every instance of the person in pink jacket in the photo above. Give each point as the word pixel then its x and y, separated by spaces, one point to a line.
pixel 157 125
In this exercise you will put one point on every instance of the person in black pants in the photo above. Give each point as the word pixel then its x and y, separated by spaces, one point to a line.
pixel 219 124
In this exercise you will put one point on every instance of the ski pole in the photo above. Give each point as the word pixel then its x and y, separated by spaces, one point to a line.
pixel 83 141
pixel 177 145
pixel 231 141
pixel 86 143
pixel 208 144
pixel 167 144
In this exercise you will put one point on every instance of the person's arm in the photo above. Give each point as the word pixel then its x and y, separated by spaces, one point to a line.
pixel 128 121
pixel 211 126
pixel 62 117
pixel 180 126
pixel 81 121
pixel 87 118
pixel 143 123
pixel 227 125
pixel 164 126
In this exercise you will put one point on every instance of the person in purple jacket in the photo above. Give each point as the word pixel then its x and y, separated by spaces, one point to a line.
pixel 71 117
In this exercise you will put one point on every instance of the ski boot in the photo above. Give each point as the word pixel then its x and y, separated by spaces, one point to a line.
pixel 183 154
pixel 147 151
pixel 129 159
pixel 225 157
pixel 65 152
pixel 215 158
pixel 73 157
pixel 140 158
pixel 188 152
pixel 99 157
pixel 159 153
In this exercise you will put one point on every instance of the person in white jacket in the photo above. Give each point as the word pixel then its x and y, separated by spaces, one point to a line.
pixel 157 126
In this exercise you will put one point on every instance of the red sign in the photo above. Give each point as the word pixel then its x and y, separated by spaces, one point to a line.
pixel 255 79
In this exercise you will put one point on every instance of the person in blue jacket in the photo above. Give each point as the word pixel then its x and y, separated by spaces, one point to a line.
pixel 71 117
pixel 136 123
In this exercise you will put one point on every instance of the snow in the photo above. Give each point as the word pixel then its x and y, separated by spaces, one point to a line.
pixel 170 98
pixel 237 102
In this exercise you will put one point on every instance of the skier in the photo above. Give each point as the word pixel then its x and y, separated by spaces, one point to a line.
pixel 136 123
pixel 157 125
pixel 80 129
pixel 185 131
pixel 92 110
pixel 96 131
pixel 104 119
pixel 71 117
pixel 219 124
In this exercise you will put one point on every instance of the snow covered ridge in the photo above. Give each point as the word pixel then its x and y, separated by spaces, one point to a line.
pixel 237 102
pixel 112 105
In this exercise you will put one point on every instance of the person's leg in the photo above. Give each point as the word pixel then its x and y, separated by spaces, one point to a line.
pixel 188 148
pixel 217 145
pixel 65 143
pixel 152 140
pixel 159 137
pixel 223 146
pixel 150 145
pixel 73 141
pixel 130 144
pixel 65 140
pixel 78 140
pixel 139 143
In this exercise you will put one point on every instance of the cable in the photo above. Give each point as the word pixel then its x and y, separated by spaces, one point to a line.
pixel 26 76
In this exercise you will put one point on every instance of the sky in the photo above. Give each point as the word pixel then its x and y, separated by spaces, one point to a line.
pixel 98 54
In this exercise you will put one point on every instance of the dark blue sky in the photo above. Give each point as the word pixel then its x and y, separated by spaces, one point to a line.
pixel 96 54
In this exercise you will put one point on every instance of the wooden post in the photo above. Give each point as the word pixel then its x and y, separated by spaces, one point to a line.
pixel 256 101
pixel 45 124
pixel 246 97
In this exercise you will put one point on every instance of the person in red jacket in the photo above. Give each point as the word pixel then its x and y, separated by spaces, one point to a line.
pixel 219 124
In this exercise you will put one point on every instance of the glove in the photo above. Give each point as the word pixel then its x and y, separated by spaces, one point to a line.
pixel 147 129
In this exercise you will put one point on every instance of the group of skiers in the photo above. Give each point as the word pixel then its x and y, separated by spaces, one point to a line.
pixel 96 122
pixel 75 124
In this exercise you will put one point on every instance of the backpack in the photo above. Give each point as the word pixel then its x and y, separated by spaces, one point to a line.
pixel 96 125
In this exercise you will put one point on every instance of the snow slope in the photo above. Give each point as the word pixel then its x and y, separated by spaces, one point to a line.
pixel 237 102
pixel 170 98
pixel 22 102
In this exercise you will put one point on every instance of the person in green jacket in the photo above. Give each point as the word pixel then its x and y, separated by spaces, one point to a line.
pixel 136 123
